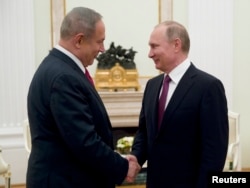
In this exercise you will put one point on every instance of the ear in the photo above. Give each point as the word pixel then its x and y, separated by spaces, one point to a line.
pixel 78 39
pixel 177 44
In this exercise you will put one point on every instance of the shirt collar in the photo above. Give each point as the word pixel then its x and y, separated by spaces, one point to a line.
pixel 72 56
pixel 177 73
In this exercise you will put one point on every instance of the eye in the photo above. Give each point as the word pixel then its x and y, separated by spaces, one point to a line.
pixel 100 42
pixel 153 46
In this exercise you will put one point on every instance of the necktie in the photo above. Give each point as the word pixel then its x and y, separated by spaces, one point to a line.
pixel 163 98
pixel 89 77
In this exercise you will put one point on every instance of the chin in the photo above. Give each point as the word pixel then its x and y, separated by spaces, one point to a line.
pixel 90 63
pixel 157 67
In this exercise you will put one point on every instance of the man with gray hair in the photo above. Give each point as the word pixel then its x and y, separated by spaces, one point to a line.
pixel 72 143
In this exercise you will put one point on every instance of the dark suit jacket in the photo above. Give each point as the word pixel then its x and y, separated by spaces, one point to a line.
pixel 72 143
pixel 193 137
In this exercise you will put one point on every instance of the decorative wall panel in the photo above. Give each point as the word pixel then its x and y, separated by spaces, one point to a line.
pixel 210 26
pixel 17 60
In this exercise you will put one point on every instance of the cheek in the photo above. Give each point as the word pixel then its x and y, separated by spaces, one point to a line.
pixel 160 53
pixel 94 49
pixel 90 51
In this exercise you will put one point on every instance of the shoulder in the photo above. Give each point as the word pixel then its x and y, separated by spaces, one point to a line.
pixel 201 75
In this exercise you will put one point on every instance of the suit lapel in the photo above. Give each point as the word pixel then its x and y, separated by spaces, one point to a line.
pixel 181 90
pixel 64 58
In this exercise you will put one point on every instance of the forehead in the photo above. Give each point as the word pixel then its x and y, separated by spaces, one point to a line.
pixel 159 31
pixel 99 30
pixel 158 34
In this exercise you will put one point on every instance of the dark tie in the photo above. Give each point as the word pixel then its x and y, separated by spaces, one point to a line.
pixel 162 100
pixel 89 77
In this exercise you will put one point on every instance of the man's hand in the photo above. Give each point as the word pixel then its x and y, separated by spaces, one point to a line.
pixel 134 168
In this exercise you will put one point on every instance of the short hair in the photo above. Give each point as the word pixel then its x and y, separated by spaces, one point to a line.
pixel 176 30
pixel 79 20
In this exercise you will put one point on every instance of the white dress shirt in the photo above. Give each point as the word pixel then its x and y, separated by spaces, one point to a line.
pixel 176 75
pixel 72 56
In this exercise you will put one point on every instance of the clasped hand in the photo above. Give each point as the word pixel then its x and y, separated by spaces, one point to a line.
pixel 133 169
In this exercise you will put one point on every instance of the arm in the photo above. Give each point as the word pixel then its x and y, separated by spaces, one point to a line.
pixel 84 129
pixel 214 130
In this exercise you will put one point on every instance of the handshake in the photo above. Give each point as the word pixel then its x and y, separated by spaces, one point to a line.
pixel 134 168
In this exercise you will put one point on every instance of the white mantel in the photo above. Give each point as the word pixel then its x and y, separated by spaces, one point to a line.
pixel 123 107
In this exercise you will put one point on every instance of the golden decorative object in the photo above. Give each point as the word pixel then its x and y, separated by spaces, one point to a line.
pixel 116 78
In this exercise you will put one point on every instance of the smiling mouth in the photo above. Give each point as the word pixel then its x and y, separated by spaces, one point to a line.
pixel 156 61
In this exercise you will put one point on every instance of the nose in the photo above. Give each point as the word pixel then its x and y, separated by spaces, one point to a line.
pixel 150 54
pixel 102 48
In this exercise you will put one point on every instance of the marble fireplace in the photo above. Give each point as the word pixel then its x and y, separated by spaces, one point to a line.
pixel 123 108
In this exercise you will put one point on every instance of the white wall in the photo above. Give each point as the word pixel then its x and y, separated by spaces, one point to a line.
pixel 16 69
pixel 42 29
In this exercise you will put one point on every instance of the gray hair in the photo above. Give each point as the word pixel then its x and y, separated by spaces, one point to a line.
pixel 176 30
pixel 79 20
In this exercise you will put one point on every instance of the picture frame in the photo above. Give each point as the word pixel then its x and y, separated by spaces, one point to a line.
pixel 165 10
pixel 57 11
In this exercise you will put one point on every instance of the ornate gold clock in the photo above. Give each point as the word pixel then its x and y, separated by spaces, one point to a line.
pixel 116 70
pixel 116 78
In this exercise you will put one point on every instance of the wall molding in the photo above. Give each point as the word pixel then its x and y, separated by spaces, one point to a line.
pixel 11 138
